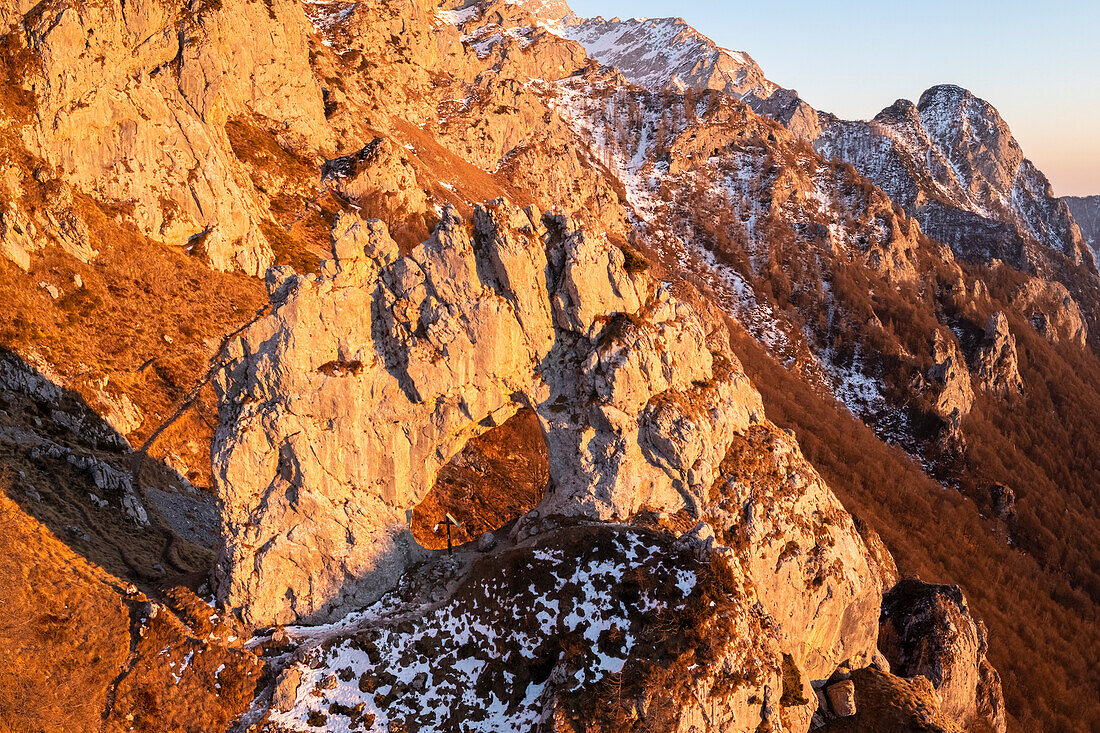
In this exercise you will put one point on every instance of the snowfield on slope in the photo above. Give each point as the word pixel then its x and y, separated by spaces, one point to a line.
pixel 482 659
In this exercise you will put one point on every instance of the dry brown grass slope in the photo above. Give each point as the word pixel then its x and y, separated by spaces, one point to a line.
pixel 1044 648
pixel 81 652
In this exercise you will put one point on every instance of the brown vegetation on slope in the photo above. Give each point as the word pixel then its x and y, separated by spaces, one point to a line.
pixel 302 215
pixel 885 702
pixel 1042 442
pixel 1045 651
pixel 1043 445
pixel 145 322
pixel 92 654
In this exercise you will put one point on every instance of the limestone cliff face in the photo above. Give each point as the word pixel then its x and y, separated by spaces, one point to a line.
pixel 812 570
pixel 951 390
pixel 341 406
pixel 339 409
pixel 997 364
pixel 1052 311
pixel 130 103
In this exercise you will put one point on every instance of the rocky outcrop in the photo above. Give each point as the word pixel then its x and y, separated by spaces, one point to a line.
pixel 801 550
pixel 380 181
pixel 927 630
pixel 340 407
pixel 35 213
pixel 17 238
pixel 951 392
pixel 131 103
pixel 1052 311
pixel 788 600
pixel 842 698
pixel 996 364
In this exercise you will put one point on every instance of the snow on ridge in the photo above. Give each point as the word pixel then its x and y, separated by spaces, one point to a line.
pixel 587 114
pixel 667 52
pixel 469 657
pixel 459 17
pixel 326 15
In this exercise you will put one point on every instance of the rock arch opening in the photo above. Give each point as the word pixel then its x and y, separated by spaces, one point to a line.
pixel 496 478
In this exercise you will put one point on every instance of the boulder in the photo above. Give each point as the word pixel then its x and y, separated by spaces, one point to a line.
pixel 928 630
pixel 381 181
pixel 286 689
pixel 486 542
pixel 842 698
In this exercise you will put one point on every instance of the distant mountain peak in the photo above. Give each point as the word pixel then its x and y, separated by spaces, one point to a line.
pixel 965 178
pixel 1086 212
pixel 547 10
pixel 669 54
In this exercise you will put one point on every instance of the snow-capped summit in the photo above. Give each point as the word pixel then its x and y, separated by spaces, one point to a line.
pixel 667 53
pixel 659 53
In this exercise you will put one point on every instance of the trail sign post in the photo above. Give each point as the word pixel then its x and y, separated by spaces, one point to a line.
pixel 450 522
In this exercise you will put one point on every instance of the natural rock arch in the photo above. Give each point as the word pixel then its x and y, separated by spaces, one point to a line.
pixel 495 479
pixel 339 408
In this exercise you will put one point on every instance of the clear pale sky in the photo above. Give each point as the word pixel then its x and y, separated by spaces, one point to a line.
pixel 1037 62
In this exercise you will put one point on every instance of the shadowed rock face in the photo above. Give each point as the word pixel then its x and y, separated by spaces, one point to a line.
pixel 339 408
pixel 928 630
pixel 1086 212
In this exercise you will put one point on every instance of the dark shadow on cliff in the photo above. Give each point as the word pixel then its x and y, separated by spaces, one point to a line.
pixel 70 470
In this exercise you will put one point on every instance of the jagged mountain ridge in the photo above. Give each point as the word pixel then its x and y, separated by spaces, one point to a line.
pixel 467 114
pixel 950 160
pixel 952 152
pixel 667 53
